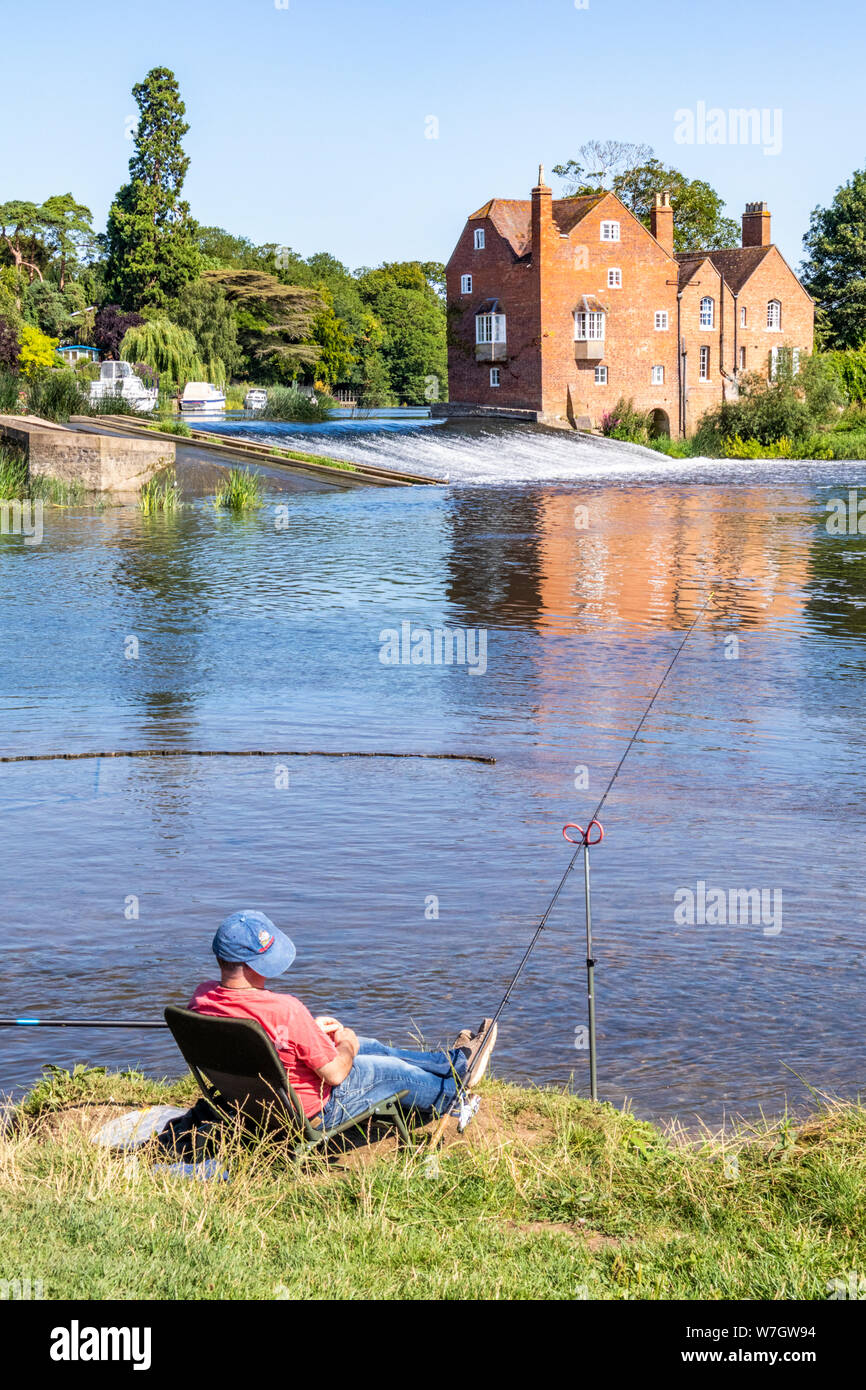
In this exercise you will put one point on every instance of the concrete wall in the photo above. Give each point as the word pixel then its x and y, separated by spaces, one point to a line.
pixel 102 462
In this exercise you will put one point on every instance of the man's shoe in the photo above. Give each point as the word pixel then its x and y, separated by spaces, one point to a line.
pixel 477 1047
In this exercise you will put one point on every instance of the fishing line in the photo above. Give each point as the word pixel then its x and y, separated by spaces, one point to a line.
pixel 582 845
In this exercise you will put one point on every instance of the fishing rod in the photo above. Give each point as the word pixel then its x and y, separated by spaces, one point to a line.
pixel 80 1023
pixel 461 1105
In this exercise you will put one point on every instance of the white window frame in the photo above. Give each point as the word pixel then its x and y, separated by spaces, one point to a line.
pixel 494 376
pixel 703 363
pixel 608 231
pixel 708 311
pixel 600 378
pixel 742 315
pixel 774 316
pixel 465 284
pixel 660 320
pixel 479 239
pixel 490 328
pixel 614 277
pixel 589 325
pixel 657 375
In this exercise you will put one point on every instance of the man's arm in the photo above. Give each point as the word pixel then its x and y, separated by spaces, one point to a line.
pixel 335 1071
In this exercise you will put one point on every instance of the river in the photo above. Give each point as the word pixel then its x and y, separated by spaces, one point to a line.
pixel 411 887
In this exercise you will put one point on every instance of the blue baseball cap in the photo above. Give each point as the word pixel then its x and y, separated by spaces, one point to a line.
pixel 250 938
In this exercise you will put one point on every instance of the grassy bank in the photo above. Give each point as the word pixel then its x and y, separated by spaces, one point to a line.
pixel 546 1196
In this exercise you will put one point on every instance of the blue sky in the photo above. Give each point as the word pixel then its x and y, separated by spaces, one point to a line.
pixel 308 123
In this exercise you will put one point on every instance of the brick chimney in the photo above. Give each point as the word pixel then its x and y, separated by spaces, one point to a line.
pixel 542 212
pixel 662 222
pixel 756 225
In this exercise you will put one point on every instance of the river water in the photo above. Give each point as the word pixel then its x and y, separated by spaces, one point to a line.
pixel 411 887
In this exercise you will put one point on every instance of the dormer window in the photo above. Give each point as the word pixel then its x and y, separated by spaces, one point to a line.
pixel 774 316
pixel 465 284
pixel 707 312
pixel 479 239
pixel 609 231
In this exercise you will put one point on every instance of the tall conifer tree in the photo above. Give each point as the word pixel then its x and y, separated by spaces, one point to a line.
pixel 152 247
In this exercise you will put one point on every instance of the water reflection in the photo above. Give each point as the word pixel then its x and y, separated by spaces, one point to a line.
pixel 747 773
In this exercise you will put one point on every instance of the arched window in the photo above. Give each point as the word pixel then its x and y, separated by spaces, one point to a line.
pixel 707 312
pixel 774 315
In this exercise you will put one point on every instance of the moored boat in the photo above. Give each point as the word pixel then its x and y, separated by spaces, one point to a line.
pixel 202 396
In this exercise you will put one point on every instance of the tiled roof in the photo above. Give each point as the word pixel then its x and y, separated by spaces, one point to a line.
pixel 736 264
pixel 512 217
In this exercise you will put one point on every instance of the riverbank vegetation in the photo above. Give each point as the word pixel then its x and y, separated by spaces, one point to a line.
pixel 183 302
pixel 545 1197
pixel 811 409
pixel 161 494
pixel 241 491
pixel 16 484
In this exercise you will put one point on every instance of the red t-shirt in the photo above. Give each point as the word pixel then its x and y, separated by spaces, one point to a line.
pixel 297 1037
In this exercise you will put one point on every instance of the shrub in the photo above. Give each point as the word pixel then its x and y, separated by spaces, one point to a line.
pixel 38 353
pixel 56 396
pixel 10 347
pixel 288 403
pixel 849 369
pixel 627 423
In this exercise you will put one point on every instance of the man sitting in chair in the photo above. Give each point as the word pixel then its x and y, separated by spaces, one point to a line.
pixel 335 1073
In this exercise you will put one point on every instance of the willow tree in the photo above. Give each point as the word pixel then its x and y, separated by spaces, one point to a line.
pixel 274 321
pixel 152 249
pixel 171 351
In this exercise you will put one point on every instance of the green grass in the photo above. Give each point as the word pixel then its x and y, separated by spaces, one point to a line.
pixel 546 1197
pixel 298 457
pixel 161 493
pixel 240 492
pixel 168 424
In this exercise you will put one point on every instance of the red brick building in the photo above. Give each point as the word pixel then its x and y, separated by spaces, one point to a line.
pixel 562 306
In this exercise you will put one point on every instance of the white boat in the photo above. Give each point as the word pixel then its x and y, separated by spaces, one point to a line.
pixel 118 379
pixel 255 399
pixel 201 397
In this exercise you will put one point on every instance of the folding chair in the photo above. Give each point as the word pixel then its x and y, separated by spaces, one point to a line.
pixel 241 1076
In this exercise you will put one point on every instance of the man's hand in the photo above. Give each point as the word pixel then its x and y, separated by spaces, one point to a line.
pixel 347 1035
pixel 347 1045
pixel 328 1024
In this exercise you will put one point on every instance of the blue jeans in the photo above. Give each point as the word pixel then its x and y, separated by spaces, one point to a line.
pixel 378 1071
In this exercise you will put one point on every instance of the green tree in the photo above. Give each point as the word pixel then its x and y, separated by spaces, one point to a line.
pixel 834 271
pixel 69 231
pixel 337 356
pixel 21 233
pixel 152 250
pixel 699 223
pixel 167 349
pixel 202 308
pixel 274 321
pixel 412 315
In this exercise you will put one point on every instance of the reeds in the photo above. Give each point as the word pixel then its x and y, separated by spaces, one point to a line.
pixel 161 494
pixel 241 491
